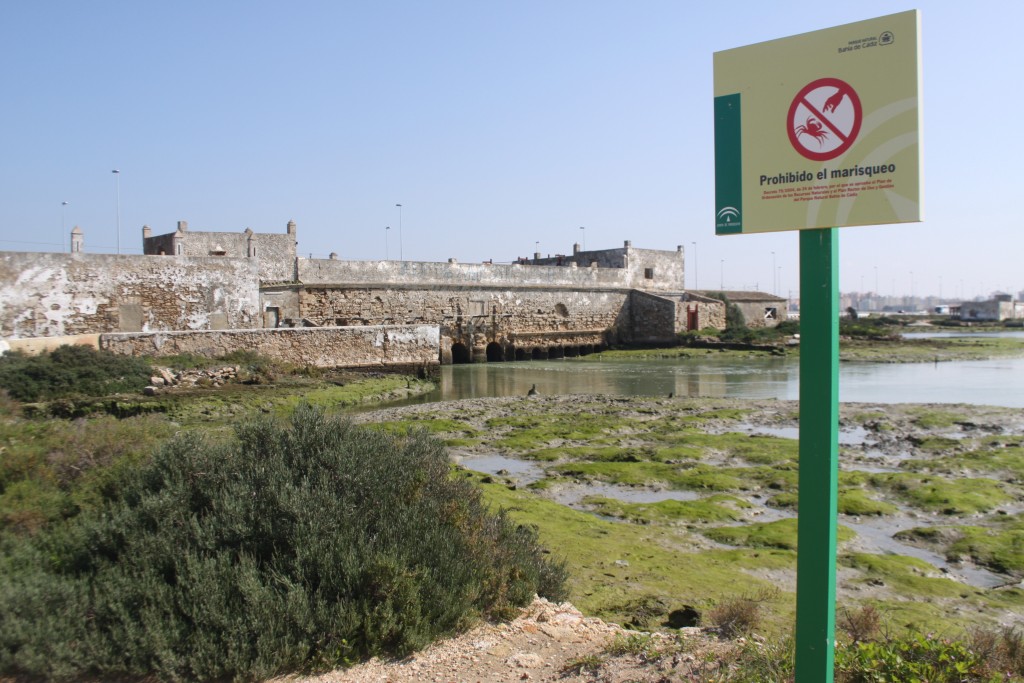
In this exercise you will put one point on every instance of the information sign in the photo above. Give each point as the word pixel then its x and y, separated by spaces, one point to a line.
pixel 820 129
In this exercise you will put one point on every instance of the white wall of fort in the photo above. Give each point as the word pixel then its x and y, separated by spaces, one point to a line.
pixel 49 295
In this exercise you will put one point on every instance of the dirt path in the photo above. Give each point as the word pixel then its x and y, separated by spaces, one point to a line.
pixel 547 642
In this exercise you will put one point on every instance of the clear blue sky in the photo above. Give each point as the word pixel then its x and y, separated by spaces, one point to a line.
pixel 497 125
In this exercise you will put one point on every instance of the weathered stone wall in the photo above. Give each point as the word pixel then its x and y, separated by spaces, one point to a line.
pixel 274 253
pixel 645 269
pixel 653 319
pixel 665 267
pixel 47 295
pixel 534 309
pixel 754 312
pixel 396 346
pixel 280 306
pixel 709 312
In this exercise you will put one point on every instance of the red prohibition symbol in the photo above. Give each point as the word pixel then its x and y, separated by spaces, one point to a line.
pixel 824 119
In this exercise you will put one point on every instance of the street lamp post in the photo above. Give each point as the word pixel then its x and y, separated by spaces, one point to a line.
pixel 583 231
pixel 63 206
pixel 387 231
pixel 401 255
pixel 696 281
pixel 773 272
pixel 721 275
pixel 117 183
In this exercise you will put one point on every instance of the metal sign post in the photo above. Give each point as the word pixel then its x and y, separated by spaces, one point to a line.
pixel 819 455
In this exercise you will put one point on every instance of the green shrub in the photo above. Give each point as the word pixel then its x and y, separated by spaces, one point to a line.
pixel 291 547
pixel 71 371
pixel 869 328
pixel 918 658
pixel 50 469
pixel 987 657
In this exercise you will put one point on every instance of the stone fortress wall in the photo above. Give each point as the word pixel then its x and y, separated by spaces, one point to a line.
pixel 197 282
pixel 51 295
pixel 274 254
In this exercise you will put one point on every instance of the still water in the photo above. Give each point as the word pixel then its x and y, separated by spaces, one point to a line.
pixel 988 382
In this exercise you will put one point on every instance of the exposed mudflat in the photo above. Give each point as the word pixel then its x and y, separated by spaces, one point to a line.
pixel 714 481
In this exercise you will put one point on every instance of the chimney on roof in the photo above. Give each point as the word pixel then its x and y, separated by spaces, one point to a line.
pixel 182 226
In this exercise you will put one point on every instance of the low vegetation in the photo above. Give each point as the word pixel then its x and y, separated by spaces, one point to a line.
pixel 71 371
pixel 866 651
pixel 291 547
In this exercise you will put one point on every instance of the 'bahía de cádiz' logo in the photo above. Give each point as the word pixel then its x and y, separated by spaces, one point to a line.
pixel 728 217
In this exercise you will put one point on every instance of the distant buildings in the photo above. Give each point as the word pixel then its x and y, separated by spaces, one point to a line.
pixel 997 309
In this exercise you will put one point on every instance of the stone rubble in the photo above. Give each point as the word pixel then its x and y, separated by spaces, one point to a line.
pixel 167 378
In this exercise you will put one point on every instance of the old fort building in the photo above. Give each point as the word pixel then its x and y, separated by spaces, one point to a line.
pixel 210 292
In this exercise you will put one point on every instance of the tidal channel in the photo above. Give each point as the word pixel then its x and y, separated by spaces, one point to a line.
pixel 984 382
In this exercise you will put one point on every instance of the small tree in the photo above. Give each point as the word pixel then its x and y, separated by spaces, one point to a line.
pixel 734 319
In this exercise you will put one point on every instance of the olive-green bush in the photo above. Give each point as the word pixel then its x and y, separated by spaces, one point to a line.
pixel 293 547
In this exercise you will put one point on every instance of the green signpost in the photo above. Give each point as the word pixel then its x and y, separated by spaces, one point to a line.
pixel 815 132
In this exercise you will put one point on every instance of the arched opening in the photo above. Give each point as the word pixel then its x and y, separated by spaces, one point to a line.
pixel 586 349
pixel 460 354
pixel 556 352
pixel 539 353
pixel 522 354
pixel 571 351
pixel 495 354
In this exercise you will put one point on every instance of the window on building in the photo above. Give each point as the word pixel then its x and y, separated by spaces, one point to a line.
pixel 649 273
pixel 771 313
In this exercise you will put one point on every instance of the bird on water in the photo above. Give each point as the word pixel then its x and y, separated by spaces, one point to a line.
pixel 532 391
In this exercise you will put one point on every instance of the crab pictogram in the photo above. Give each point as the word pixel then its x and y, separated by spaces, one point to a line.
pixel 813 128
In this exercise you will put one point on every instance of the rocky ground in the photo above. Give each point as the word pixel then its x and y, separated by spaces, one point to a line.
pixel 547 642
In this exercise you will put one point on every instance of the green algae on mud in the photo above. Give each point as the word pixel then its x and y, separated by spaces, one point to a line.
pixel 622 572
pixel 627 557
pixel 929 350
pixel 936 494
pixel 613 565
pixel 714 508
pixel 778 534
pixel 999 545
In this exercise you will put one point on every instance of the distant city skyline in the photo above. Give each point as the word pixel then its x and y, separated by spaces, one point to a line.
pixel 498 128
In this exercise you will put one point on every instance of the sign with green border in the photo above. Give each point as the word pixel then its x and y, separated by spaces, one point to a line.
pixel 820 129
